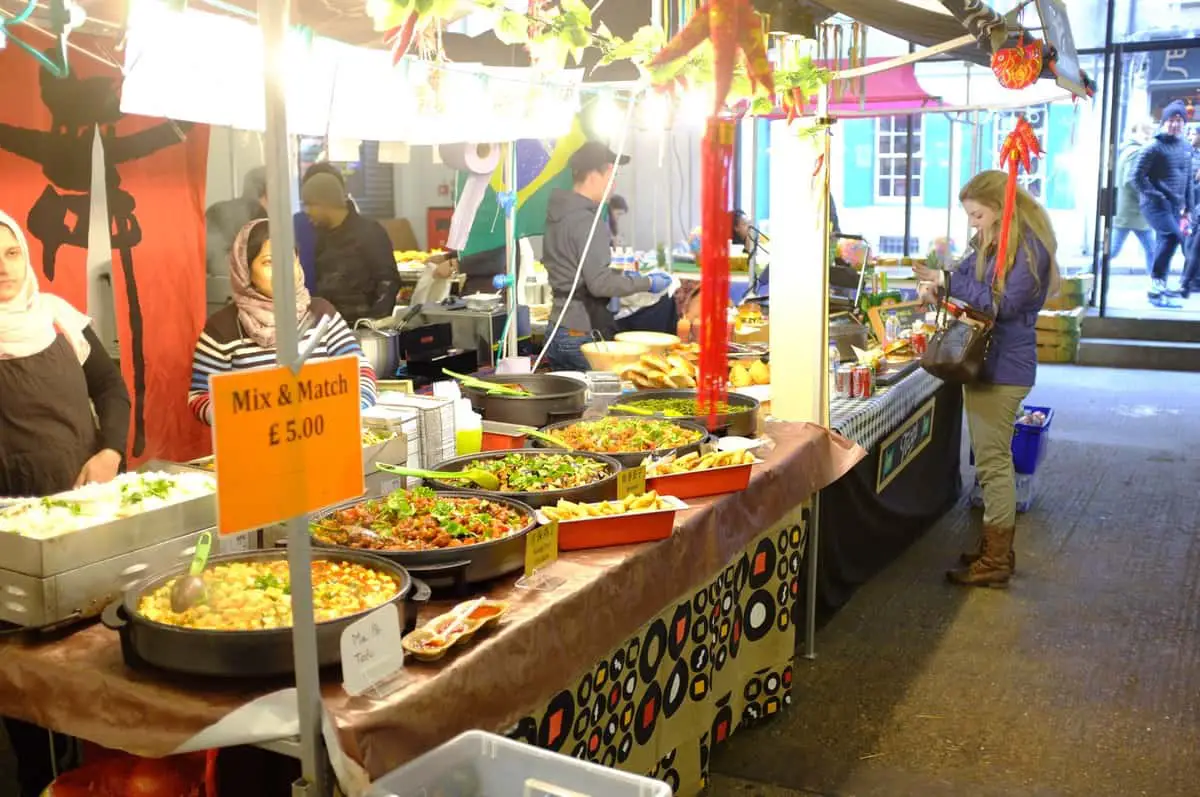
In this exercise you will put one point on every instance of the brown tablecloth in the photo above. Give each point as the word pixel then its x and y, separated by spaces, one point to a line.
pixel 79 684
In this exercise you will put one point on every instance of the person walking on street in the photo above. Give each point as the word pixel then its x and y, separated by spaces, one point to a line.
pixel 1128 218
pixel 1162 176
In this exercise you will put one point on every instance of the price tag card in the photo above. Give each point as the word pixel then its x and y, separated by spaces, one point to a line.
pixel 371 652
pixel 288 444
pixel 541 548
pixel 631 481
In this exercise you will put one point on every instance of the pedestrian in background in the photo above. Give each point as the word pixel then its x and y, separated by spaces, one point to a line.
pixel 1162 175
pixel 1128 217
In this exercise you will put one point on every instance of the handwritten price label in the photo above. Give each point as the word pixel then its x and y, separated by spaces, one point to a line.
pixel 541 548
pixel 371 651
pixel 287 444
pixel 631 481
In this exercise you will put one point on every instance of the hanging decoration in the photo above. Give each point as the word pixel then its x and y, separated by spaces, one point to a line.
pixel 1020 66
pixel 716 164
pixel 731 26
pixel 1020 147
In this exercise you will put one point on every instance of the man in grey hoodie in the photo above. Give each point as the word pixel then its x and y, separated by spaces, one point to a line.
pixel 570 218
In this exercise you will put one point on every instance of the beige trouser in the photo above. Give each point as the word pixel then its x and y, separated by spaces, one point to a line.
pixel 991 410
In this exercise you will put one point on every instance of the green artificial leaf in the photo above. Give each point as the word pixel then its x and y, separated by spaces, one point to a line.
pixel 423 7
pixel 578 10
pixel 762 106
pixel 512 28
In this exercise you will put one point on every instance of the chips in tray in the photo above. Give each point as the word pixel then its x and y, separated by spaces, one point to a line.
pixel 695 461
pixel 566 511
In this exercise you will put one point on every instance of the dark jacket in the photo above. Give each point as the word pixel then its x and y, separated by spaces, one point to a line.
pixel 356 269
pixel 1012 356
pixel 1162 175
pixel 223 221
pixel 569 219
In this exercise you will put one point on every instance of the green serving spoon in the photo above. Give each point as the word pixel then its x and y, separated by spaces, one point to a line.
pixel 630 409
pixel 553 440
pixel 481 478
pixel 189 590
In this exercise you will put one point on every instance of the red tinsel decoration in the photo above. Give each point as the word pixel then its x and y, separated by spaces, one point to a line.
pixel 716 164
pixel 1019 146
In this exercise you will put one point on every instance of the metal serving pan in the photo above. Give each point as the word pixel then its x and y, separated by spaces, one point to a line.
pixel 631 459
pixel 464 564
pixel 47 557
pixel 555 398
pixel 602 490
pixel 241 654
pixel 737 424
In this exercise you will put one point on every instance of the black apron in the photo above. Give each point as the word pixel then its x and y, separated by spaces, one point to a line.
pixel 47 432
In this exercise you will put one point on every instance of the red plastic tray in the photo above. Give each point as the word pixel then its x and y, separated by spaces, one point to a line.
pixel 698 483
pixel 625 529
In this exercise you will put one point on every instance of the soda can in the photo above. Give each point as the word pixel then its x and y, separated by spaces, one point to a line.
pixel 862 382
pixel 919 343
pixel 843 381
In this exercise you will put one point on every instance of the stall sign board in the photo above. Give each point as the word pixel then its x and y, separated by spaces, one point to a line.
pixel 631 481
pixel 541 549
pixel 1056 30
pixel 288 443
pixel 904 445
pixel 371 651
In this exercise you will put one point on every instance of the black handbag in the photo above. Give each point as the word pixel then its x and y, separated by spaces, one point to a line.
pixel 956 351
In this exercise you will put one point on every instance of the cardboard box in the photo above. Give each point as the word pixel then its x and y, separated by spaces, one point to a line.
pixel 1073 292
pixel 1061 320
pixel 1066 337
pixel 1062 353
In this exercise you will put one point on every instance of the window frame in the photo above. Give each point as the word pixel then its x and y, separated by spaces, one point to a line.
pixel 898 137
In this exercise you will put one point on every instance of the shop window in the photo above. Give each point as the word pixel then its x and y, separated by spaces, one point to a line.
pixel 370 182
pixel 894 244
pixel 1033 180
pixel 891 151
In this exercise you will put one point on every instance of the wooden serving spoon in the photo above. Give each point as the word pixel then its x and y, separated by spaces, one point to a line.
pixel 481 478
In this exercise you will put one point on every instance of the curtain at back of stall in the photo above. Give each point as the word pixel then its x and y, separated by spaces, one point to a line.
pixel 142 211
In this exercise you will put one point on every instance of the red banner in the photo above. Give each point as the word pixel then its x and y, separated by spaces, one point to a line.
pixel 153 195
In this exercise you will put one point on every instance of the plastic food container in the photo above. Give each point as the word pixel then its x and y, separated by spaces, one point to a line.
pixel 502 436
pixel 627 528
pixel 697 483
pixel 484 763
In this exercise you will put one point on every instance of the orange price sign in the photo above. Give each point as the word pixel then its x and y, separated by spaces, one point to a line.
pixel 287 444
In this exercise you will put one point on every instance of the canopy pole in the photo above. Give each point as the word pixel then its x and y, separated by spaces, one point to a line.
pixel 509 344
pixel 273 21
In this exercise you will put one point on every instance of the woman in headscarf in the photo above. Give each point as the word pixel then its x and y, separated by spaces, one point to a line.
pixel 242 334
pixel 53 371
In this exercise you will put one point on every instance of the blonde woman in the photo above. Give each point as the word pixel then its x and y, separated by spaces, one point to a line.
pixel 1009 371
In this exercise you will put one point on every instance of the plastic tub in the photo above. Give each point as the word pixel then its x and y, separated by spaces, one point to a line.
pixel 627 528
pixel 698 483
pixel 487 764
pixel 1029 442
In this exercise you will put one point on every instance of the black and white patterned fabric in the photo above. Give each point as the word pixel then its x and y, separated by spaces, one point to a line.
pixel 867 421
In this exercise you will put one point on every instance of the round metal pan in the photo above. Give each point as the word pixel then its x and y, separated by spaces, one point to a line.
pixel 631 459
pixel 483 560
pixel 555 398
pixel 735 424
pixel 603 490
pixel 241 654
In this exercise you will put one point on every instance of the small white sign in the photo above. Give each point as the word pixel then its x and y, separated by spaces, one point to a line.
pixel 371 651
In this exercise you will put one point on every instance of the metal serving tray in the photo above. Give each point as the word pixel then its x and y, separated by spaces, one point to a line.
pixel 84 591
pixel 48 557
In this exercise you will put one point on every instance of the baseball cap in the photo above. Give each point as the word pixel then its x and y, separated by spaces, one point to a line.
pixel 593 156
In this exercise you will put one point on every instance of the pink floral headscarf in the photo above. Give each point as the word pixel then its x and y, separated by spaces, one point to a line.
pixel 256 312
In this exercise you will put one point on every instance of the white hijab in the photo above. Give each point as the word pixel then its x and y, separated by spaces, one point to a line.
pixel 31 321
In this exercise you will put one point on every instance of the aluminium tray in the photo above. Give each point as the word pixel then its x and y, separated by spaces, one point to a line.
pixel 48 557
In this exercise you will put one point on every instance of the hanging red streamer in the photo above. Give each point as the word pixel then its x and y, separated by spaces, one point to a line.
pixel 1019 148
pixel 716 164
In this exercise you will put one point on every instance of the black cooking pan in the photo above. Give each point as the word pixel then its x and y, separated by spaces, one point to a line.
pixel 737 424
pixel 464 564
pixel 603 490
pixel 631 459
pixel 555 398
pixel 242 654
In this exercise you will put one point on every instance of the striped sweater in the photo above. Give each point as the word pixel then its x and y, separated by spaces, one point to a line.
pixel 223 347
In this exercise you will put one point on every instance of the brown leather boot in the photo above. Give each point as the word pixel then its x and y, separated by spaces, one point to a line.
pixel 994 567
pixel 969 558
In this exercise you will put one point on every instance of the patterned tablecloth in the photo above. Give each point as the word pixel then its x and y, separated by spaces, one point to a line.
pixel 867 421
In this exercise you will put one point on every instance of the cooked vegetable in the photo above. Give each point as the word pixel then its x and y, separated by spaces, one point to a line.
pixel 621 435
pixel 694 461
pixel 677 407
pixel 418 520
pixel 254 595
pixel 566 511
pixel 373 437
pixel 535 473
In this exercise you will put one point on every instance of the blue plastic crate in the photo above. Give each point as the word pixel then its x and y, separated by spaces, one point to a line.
pixel 1029 443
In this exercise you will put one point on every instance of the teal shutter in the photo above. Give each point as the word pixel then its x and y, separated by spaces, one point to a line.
pixel 762 169
pixel 1059 193
pixel 935 166
pixel 858 162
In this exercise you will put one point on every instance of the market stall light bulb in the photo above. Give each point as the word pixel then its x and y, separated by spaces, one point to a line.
pixel 606 118
pixel 655 112
pixel 694 107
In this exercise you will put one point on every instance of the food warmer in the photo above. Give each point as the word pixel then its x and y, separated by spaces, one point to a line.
pixel 555 398
pixel 604 489
pixel 739 424
pixel 631 459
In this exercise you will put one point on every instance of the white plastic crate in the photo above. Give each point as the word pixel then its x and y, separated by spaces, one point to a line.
pixel 478 764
